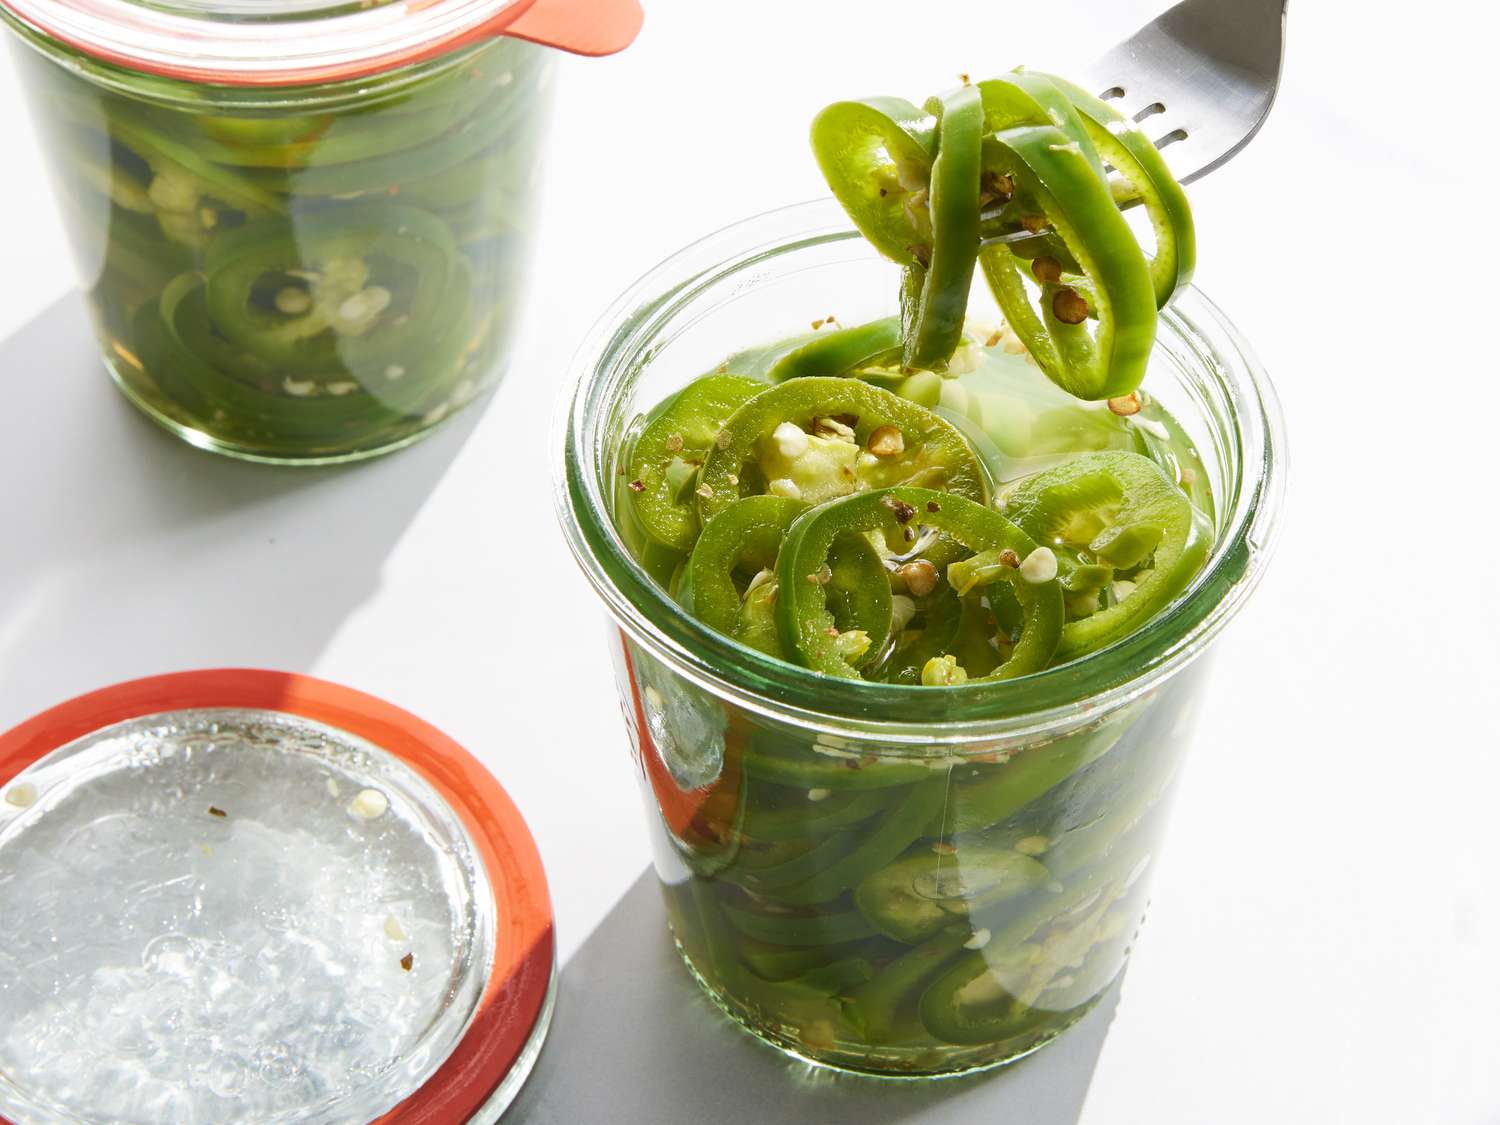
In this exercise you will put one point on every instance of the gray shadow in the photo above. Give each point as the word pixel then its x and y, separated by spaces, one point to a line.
pixel 127 552
pixel 634 1039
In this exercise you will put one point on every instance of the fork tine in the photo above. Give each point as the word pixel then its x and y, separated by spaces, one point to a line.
pixel 1200 79
pixel 1212 66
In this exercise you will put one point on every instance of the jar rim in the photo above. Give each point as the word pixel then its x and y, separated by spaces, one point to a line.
pixel 900 714
pixel 305 42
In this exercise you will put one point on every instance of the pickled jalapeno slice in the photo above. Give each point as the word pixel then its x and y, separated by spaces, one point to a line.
pixel 876 155
pixel 1127 526
pixel 935 291
pixel 817 438
pixel 730 581
pixel 808 625
pixel 1048 166
pixel 669 453
pixel 839 351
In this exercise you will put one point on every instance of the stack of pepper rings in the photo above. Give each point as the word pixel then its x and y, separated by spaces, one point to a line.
pixel 1021 153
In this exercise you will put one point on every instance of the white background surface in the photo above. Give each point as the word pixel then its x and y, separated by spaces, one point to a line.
pixel 1326 926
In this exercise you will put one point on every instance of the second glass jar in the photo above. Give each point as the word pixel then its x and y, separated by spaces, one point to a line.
pixel 297 274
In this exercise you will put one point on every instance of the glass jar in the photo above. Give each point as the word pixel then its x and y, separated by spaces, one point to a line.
pixel 885 878
pixel 302 227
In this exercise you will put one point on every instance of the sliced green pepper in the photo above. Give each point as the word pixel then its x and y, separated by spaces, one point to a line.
pixel 969 1004
pixel 859 600
pixel 748 454
pixel 1024 97
pixel 795 816
pixel 877 155
pixel 794 765
pixel 1140 164
pixel 940 618
pixel 1120 509
pixel 370 284
pixel 1056 175
pixel 936 290
pixel 667 456
pixel 838 351
pixel 996 792
pixel 803 605
pixel 872 1008
pixel 871 850
pixel 926 889
pixel 205 374
pixel 778 965
pixel 825 928
pixel 745 536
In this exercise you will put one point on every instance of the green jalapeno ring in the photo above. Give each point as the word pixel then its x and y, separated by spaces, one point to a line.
pixel 800 768
pixel 1056 173
pixel 822 928
pixel 160 153
pixel 787 966
pixel 915 896
pixel 934 327
pixel 802 606
pixel 1140 164
pixel 941 618
pixel 1061 505
pixel 746 534
pixel 856 854
pixel 872 1008
pixel 932 450
pixel 859 599
pixel 408 245
pixel 848 140
pixel 994 793
pixel 264 417
pixel 821 856
pixel 1026 97
pixel 770 820
pixel 837 351
pixel 660 470
pixel 445 151
pixel 943 1007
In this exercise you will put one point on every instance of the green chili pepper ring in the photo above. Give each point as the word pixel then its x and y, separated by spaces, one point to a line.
pixel 807 625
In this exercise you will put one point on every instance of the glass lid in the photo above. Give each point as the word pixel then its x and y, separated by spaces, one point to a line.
pixel 249 896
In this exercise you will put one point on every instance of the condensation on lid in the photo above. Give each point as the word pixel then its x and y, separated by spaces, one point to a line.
pixel 300 42
pixel 256 896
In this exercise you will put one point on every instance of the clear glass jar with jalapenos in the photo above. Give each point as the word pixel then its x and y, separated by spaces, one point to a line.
pixel 303 229
pixel 912 601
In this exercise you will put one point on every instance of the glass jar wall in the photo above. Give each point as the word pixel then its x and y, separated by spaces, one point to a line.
pixel 305 273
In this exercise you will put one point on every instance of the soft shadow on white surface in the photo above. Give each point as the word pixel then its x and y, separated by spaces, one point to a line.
pixel 127 552
pixel 634 1040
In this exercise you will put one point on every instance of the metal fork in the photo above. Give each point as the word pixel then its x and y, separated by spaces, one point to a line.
pixel 1201 77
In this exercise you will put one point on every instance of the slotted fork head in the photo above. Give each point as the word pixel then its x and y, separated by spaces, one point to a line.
pixel 1200 79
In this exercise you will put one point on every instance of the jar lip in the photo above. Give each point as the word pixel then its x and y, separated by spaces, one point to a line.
pixel 303 42
pixel 900 714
